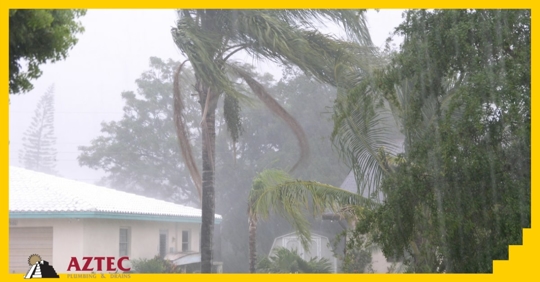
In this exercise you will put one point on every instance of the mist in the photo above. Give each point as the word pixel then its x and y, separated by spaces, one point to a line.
pixel 111 54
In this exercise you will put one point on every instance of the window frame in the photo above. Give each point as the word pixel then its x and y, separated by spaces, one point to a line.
pixel 187 242
pixel 165 233
pixel 127 242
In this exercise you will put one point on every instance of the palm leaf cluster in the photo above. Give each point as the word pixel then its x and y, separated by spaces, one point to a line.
pixel 294 200
pixel 366 134
pixel 372 123
pixel 287 261
pixel 210 38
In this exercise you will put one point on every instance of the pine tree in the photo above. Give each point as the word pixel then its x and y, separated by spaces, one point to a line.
pixel 39 152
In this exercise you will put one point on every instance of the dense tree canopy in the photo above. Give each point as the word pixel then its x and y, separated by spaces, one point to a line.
pixel 140 152
pixel 459 87
pixel 38 36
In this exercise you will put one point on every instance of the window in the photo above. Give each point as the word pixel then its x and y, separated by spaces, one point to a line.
pixel 315 248
pixel 185 241
pixel 162 243
pixel 295 246
pixel 293 243
pixel 124 241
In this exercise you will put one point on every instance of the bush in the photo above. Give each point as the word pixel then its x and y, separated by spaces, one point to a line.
pixel 154 265
pixel 286 261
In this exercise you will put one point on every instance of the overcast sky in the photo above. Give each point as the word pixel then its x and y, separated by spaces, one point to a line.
pixel 110 55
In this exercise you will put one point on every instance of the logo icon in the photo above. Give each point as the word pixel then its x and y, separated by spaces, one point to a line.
pixel 39 268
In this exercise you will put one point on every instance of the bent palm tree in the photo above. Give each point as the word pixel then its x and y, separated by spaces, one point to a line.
pixel 294 199
pixel 209 39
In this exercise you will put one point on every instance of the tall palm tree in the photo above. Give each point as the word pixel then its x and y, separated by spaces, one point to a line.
pixel 210 38
pixel 293 199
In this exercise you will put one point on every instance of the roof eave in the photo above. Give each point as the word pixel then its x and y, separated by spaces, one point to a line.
pixel 107 215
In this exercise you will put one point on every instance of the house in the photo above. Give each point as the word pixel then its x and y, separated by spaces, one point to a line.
pixel 58 218
pixel 319 248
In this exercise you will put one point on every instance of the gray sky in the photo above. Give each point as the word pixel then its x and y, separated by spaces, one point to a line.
pixel 110 55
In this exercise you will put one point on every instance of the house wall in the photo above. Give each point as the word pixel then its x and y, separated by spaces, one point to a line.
pixel 100 237
pixel 318 241
pixel 67 243
pixel 379 262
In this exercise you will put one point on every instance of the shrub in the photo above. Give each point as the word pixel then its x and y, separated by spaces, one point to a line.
pixel 154 265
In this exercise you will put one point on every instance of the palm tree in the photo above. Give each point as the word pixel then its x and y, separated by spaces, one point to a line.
pixel 210 38
pixel 295 199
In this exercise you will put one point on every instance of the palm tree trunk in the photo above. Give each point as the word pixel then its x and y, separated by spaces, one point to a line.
pixel 252 242
pixel 208 192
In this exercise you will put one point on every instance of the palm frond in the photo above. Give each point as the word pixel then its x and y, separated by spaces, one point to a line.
pixel 231 112
pixel 201 49
pixel 274 106
pixel 352 21
pixel 295 199
pixel 183 133
pixel 366 135
pixel 283 36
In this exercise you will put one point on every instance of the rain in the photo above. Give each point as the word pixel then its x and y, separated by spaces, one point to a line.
pixel 270 141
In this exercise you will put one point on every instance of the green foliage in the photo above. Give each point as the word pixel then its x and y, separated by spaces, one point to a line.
pixel 39 142
pixel 38 36
pixel 154 265
pixel 231 110
pixel 209 37
pixel 140 152
pixel 294 200
pixel 286 261
pixel 366 135
pixel 357 256
pixel 460 89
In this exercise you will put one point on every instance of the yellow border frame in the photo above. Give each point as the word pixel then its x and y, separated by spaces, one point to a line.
pixel 522 261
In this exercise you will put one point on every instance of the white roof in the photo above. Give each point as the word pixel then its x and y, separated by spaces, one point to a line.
pixel 34 192
pixel 294 234
pixel 350 185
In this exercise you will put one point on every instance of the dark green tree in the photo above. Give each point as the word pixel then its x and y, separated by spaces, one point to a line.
pixel 459 87
pixel 38 36
pixel 39 141
pixel 140 152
